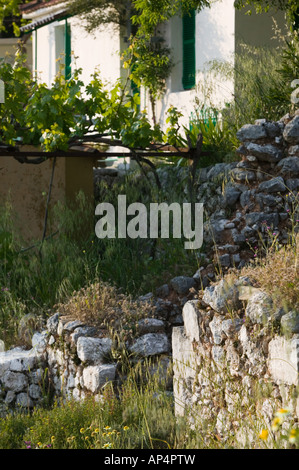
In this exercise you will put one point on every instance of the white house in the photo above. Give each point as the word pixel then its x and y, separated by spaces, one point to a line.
pixel 58 38
pixel 213 33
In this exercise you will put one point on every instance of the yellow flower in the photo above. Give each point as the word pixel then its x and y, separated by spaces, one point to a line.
pixel 293 436
pixel 96 430
pixel 82 430
pixel 264 434
pixel 275 424
pixel 52 438
pixel 282 412
pixel 126 428
pixel 107 428
pixel 107 445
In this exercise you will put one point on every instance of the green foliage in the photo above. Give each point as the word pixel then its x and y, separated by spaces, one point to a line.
pixel 52 117
pixel 263 83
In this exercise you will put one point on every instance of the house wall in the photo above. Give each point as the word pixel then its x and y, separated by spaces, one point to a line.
pixel 220 31
pixel 215 29
pixel 8 48
pixel 89 51
pixel 23 185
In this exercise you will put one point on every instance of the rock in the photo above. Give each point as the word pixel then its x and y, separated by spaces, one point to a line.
pixel 260 218
pixel 95 377
pixel 259 308
pixel 82 331
pixel 243 175
pixel 283 360
pixel 150 325
pixel 218 355
pixel 151 344
pixel 251 132
pixel 222 297
pixel 273 129
pixel 290 322
pixel 14 381
pixel 93 350
pixel 254 354
pixel 294 150
pixel 273 185
pixel 192 317
pixel 24 401
pixel 224 260
pixel 182 284
pixel 231 196
pixel 231 326
pixel 52 323
pixel 292 184
pixel 39 341
pixel 246 199
pixel 72 325
pixel 289 167
pixel 146 298
pixel 163 291
pixel 291 131
pixel 220 170
pixel 216 329
pixel 266 153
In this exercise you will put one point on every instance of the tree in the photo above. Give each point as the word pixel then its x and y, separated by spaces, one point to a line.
pixel 10 16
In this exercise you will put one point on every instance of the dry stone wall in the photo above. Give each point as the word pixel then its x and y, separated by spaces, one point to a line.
pixel 229 363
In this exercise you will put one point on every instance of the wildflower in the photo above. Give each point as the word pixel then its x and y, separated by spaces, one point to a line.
pixel 282 412
pixel 293 436
pixel 275 424
pixel 52 438
pixel 96 430
pixel 264 434
pixel 107 428
pixel 82 430
pixel 126 428
pixel 108 445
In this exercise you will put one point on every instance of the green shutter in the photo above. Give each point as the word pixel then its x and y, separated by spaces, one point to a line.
pixel 68 57
pixel 189 51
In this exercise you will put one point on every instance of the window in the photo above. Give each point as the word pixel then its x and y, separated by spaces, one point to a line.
pixel 189 51
pixel 63 48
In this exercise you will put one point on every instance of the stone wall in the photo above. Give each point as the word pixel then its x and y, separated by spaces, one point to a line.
pixel 230 361
pixel 235 371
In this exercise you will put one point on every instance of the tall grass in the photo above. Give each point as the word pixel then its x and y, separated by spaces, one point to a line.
pixel 34 280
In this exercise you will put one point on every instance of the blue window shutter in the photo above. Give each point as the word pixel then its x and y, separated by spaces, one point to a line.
pixel 189 50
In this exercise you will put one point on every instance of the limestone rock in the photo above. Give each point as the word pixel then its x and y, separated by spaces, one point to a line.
pixel 95 377
pixel 251 132
pixel 290 322
pixel 93 349
pixel 191 317
pixel 52 323
pixel 151 344
pixel 274 185
pixel 182 284
pixel 222 297
pixel 291 131
pixel 150 325
pixel 259 308
pixel 283 360
pixel 289 167
pixel 266 153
